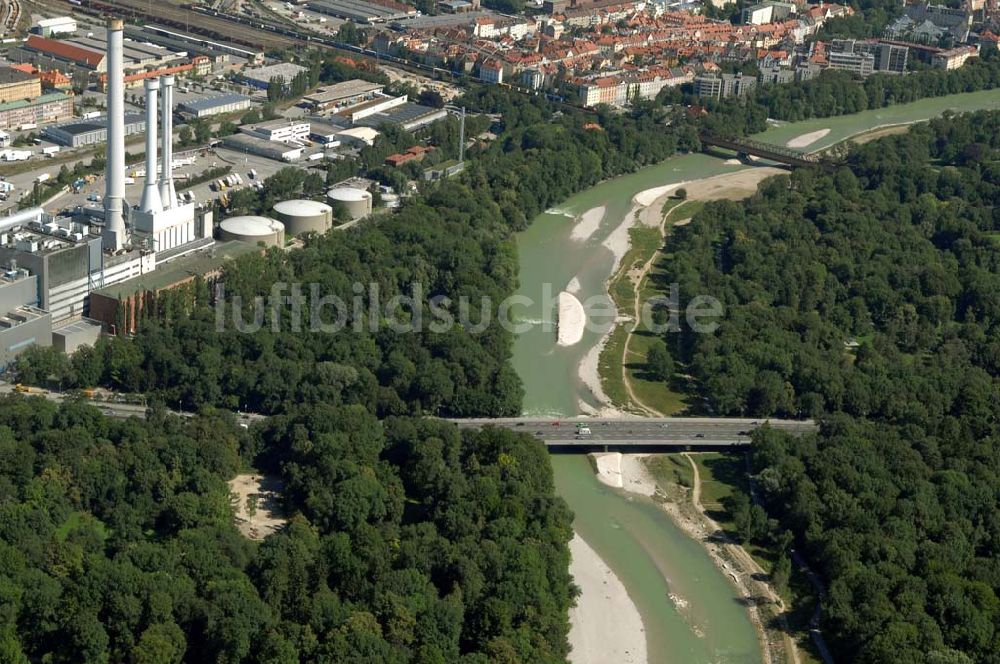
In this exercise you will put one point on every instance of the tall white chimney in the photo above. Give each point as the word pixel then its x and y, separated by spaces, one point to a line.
pixel 114 191
pixel 151 201
pixel 167 192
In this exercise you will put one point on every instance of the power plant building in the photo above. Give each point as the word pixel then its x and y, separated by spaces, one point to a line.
pixel 68 258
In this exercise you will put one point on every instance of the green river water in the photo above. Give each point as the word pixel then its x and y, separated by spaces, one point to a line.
pixel 650 555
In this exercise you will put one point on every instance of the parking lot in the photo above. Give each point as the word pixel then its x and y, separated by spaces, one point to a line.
pixel 204 160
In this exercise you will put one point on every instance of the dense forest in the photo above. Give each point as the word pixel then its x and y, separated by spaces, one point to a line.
pixel 870 298
pixel 406 542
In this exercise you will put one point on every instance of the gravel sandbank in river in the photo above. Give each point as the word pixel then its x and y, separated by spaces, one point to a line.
pixel 805 140
pixel 587 223
pixel 572 321
pixel 603 601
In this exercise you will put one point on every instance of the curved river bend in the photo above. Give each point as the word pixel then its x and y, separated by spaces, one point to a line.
pixel 636 538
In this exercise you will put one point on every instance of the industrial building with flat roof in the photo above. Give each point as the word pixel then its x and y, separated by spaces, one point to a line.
pixel 410 116
pixel 261 146
pixel 342 94
pixel 87 132
pixel 260 77
pixel 228 102
pixel 55 26
pixel 360 11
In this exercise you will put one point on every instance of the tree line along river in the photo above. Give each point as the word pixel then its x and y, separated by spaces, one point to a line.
pixel 634 536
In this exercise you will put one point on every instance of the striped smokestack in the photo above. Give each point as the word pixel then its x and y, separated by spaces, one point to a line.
pixel 114 191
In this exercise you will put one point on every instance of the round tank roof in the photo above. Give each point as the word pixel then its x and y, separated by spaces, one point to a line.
pixel 251 225
pixel 299 208
pixel 348 194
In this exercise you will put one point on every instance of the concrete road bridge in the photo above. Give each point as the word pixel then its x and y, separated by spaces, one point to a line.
pixel 587 434
pixel 573 434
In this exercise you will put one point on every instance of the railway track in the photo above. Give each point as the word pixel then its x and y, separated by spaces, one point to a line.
pixel 191 20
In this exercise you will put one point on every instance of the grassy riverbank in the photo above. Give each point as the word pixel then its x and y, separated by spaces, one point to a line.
pixel 622 365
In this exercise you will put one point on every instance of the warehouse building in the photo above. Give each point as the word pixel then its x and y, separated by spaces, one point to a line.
pixel 15 84
pixel 343 94
pixel 229 102
pixel 325 133
pixel 261 146
pixel 279 131
pixel 52 107
pixel 52 53
pixel 409 116
pixel 88 132
pixel 260 77
pixel 48 27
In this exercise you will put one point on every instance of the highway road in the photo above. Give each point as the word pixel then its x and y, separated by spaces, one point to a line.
pixel 641 432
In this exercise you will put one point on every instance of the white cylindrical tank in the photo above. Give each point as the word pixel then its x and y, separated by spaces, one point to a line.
pixel 357 201
pixel 253 230
pixel 303 216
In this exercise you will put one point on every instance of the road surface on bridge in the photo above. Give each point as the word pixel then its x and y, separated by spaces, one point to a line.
pixel 640 432
pixel 564 433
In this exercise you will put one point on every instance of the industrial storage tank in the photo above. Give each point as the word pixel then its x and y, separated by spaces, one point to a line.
pixel 302 216
pixel 357 201
pixel 253 230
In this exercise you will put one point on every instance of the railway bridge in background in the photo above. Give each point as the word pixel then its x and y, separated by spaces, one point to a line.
pixel 777 153
pixel 639 433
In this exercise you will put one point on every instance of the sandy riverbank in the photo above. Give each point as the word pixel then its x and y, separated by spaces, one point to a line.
pixel 805 140
pixel 603 602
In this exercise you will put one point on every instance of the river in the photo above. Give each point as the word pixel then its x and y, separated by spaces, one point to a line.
pixel 635 538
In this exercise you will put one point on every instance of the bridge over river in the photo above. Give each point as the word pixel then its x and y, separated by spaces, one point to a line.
pixel 634 433
pixel 768 151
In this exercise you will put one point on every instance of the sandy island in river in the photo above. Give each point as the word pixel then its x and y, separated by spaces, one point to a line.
pixel 572 320
pixel 587 223
pixel 603 601
pixel 805 140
